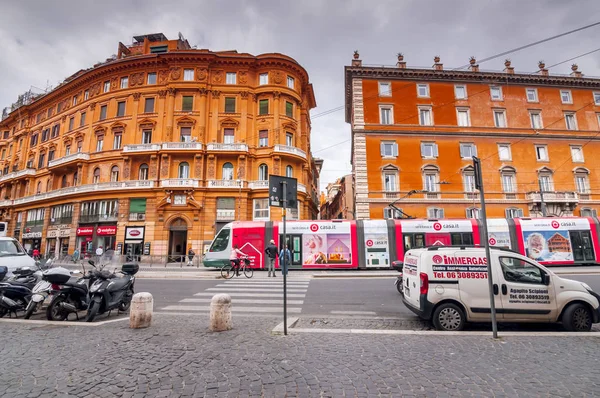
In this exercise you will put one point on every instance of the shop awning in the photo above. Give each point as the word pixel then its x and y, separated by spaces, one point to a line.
pixel 137 205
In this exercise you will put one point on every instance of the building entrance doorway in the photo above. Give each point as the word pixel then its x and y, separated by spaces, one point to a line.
pixel 177 240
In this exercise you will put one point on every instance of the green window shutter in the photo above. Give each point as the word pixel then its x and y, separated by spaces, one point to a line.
pixel 137 205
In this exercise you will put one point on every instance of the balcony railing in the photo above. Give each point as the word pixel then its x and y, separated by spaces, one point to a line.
pixel 258 184
pixel 290 149
pixel 141 148
pixel 185 146
pixel 214 146
pixel 553 197
pixel 69 158
pixel 61 220
pixel 103 186
pixel 17 174
pixel 225 215
pixel 179 182
pixel 4 203
pixel 224 183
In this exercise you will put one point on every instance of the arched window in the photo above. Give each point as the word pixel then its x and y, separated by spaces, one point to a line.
pixel 582 181
pixel 228 171
pixel 96 178
pixel 39 188
pixel 184 170
pixel 545 179
pixel 114 173
pixel 63 181
pixel 75 178
pixel 143 174
pixel 431 185
pixel 289 172
pixel 390 181
pixel 263 172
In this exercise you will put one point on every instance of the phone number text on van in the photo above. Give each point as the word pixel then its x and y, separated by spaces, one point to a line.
pixel 460 275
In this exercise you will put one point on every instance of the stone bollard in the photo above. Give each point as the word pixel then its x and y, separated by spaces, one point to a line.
pixel 140 314
pixel 220 313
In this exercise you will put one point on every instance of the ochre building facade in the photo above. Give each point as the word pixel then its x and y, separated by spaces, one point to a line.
pixel 154 150
pixel 415 131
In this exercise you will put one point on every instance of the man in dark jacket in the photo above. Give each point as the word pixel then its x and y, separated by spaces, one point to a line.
pixel 271 251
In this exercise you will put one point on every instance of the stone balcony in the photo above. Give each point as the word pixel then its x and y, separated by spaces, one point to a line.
pixel 179 183
pixel 69 158
pixel 258 184
pixel 103 186
pixel 301 188
pixel 553 196
pixel 224 184
pixel 17 174
pixel 225 214
pixel 141 148
pixel 235 147
pixel 182 146
pixel 290 149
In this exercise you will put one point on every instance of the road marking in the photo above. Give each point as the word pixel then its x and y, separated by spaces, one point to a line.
pixel 233 309
pixel 354 312
pixel 236 289
pixel 265 282
pixel 234 294
pixel 251 285
pixel 245 301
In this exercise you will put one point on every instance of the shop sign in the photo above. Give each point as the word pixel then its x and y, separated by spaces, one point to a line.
pixel 32 235
pixel 85 231
pixel 108 230
pixel 52 233
pixel 147 249
pixel 59 232
pixel 136 233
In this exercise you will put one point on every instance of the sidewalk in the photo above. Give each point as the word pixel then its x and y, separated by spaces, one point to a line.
pixel 178 357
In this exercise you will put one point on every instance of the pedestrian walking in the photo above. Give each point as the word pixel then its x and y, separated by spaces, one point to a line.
pixel 36 253
pixel 285 259
pixel 76 255
pixel 271 251
pixel 191 255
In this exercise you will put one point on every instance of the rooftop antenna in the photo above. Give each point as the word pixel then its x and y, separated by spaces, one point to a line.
pixel 180 36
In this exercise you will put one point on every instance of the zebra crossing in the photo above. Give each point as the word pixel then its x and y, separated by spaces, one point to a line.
pixel 248 296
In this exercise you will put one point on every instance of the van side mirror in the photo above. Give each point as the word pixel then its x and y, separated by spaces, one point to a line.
pixel 546 279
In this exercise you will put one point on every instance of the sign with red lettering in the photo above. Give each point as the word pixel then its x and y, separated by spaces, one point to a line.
pixel 108 230
pixel 84 231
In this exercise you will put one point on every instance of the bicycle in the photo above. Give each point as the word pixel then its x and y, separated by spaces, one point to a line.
pixel 228 270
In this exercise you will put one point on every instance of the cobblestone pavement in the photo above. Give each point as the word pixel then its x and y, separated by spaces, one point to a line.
pixel 178 357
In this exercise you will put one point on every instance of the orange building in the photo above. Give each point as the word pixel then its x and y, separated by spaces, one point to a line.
pixel 414 132
pixel 155 149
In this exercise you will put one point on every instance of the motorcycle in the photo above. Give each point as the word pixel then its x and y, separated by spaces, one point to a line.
pixel 70 294
pixel 109 291
pixel 15 293
pixel 397 265
pixel 43 289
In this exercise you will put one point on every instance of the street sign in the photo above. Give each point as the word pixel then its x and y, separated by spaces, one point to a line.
pixel 276 191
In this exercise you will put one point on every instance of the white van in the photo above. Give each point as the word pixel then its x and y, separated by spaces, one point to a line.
pixel 449 285
pixel 13 255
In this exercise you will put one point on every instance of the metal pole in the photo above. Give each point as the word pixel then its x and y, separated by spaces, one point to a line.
pixel 542 203
pixel 479 182
pixel 284 266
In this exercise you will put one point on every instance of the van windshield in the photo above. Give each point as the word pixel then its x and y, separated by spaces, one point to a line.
pixel 10 248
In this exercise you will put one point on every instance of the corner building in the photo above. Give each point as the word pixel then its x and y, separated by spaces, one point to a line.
pixel 415 130
pixel 154 150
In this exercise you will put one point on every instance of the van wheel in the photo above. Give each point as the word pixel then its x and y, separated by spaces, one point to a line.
pixel 577 318
pixel 448 317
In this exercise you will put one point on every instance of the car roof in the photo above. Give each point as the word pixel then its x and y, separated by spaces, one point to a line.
pixel 6 238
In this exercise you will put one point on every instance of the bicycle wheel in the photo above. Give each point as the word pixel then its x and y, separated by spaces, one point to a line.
pixel 227 271
pixel 248 272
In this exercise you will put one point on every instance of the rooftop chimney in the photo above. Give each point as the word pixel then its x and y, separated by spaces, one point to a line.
pixel 507 68
pixel 542 68
pixel 401 64
pixel 437 64
pixel 575 72
pixel 356 61
pixel 473 64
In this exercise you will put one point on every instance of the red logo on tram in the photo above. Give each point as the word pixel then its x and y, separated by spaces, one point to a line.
pixel 369 243
pixel 314 227
pixel 492 241
pixel 555 224
pixel 437 226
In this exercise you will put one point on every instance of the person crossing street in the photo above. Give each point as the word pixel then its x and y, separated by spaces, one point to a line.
pixel 271 251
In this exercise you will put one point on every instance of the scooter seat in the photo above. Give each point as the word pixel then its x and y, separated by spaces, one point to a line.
pixel 118 283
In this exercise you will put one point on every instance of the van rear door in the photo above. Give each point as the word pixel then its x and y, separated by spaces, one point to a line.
pixel 411 281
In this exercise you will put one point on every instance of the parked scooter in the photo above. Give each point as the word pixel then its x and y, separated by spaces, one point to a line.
pixel 15 293
pixel 70 294
pixel 42 290
pixel 109 292
pixel 397 265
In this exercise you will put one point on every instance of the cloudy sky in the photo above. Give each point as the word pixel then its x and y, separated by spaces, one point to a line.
pixel 45 41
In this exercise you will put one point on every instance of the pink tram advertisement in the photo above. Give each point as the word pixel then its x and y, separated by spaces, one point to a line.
pixel 363 244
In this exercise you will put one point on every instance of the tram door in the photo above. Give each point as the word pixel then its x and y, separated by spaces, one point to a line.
pixel 581 242
pixel 295 244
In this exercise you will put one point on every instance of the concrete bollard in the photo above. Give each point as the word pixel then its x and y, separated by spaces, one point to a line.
pixel 220 313
pixel 140 314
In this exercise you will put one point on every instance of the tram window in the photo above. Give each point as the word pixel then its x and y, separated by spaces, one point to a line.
pixel 467 239
pixel 407 243
pixel 419 240
pixel 460 239
pixel 221 241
